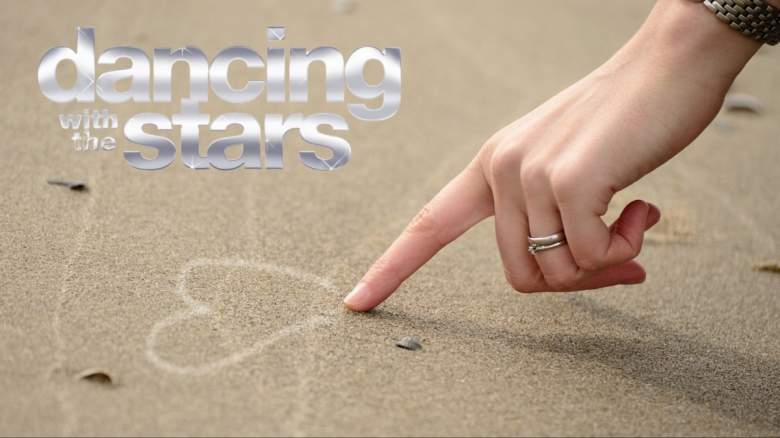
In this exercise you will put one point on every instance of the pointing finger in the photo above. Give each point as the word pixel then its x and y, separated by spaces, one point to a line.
pixel 461 204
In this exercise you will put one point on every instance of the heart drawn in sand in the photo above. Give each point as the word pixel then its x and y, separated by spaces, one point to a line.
pixel 198 309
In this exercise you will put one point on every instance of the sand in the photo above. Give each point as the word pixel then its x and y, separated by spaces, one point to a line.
pixel 213 299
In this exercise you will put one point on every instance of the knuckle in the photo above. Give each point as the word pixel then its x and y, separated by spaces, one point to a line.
pixel 425 223
pixel 520 284
pixel 383 268
pixel 636 248
pixel 505 161
pixel 632 253
pixel 492 142
pixel 534 176
pixel 565 184
pixel 588 261
pixel 561 282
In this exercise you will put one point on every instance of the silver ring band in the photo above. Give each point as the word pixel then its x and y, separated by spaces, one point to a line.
pixel 533 249
pixel 547 240
pixel 543 243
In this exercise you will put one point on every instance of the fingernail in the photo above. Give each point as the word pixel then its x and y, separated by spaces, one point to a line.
pixel 352 298
pixel 654 210
pixel 653 215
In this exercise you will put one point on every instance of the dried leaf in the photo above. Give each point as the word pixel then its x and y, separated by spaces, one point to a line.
pixel 95 376
pixel 768 267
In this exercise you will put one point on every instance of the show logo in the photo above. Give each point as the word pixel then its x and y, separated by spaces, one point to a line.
pixel 278 77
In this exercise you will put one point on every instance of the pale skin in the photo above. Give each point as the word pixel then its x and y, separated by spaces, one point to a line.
pixel 558 167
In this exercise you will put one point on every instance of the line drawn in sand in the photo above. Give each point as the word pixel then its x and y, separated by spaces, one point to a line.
pixel 197 309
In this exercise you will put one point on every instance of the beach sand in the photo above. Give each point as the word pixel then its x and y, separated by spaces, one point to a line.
pixel 213 299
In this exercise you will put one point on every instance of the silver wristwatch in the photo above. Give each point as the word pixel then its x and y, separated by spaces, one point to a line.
pixel 754 18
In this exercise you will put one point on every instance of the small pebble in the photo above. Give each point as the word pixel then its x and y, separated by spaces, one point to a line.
pixel 95 376
pixel 71 184
pixel 742 102
pixel 343 6
pixel 409 343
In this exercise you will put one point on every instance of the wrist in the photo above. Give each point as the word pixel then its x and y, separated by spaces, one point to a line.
pixel 680 38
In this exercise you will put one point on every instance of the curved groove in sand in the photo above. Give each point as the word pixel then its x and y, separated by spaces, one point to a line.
pixel 197 309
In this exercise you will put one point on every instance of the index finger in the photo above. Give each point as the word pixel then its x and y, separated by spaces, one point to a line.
pixel 461 204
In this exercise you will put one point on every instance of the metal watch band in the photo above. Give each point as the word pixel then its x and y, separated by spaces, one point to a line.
pixel 754 18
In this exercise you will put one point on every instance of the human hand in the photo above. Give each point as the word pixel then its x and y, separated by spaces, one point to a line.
pixel 557 168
